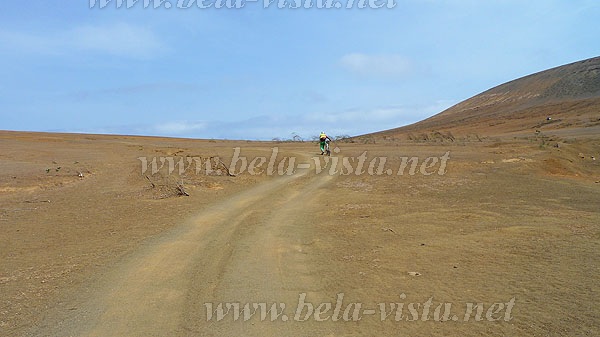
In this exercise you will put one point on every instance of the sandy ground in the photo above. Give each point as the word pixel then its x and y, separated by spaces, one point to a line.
pixel 495 237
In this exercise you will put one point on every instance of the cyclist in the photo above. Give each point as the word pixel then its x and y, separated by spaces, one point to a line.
pixel 323 140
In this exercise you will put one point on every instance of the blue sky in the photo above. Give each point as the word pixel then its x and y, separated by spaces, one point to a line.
pixel 261 73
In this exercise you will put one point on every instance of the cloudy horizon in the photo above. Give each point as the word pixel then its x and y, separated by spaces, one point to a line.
pixel 258 74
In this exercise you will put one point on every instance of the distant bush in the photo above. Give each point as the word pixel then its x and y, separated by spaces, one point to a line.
pixel 342 138
pixel 296 137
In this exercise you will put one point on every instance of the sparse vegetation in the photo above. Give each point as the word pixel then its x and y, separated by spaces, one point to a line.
pixel 296 137
pixel 369 139
pixel 533 213
pixel 343 138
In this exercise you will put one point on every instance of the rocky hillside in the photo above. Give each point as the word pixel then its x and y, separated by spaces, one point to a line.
pixel 564 99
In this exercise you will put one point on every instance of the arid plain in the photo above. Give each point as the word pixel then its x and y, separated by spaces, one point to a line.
pixel 483 220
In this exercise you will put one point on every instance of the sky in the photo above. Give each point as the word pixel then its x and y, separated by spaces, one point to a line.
pixel 262 72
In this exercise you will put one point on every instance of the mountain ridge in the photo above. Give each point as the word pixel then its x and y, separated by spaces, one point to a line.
pixel 562 98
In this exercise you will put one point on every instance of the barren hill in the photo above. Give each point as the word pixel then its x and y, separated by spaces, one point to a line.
pixel 106 235
pixel 564 99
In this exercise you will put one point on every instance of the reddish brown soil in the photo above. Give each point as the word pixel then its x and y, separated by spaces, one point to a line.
pixel 116 253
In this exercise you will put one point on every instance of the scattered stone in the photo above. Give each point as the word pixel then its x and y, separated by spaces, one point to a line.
pixel 388 230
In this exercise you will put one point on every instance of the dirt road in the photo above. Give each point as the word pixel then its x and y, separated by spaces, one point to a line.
pixel 246 249
pixel 510 224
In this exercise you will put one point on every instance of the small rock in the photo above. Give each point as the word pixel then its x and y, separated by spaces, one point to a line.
pixel 414 273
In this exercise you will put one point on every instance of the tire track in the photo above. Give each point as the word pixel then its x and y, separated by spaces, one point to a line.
pixel 268 265
pixel 160 290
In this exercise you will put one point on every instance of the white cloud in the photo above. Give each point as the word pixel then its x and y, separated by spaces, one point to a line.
pixel 266 127
pixel 118 39
pixel 342 122
pixel 143 88
pixel 354 116
pixel 30 43
pixel 378 65
pixel 180 128
pixel 365 120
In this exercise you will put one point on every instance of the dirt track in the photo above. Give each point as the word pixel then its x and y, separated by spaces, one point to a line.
pixel 156 291
pixel 110 255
